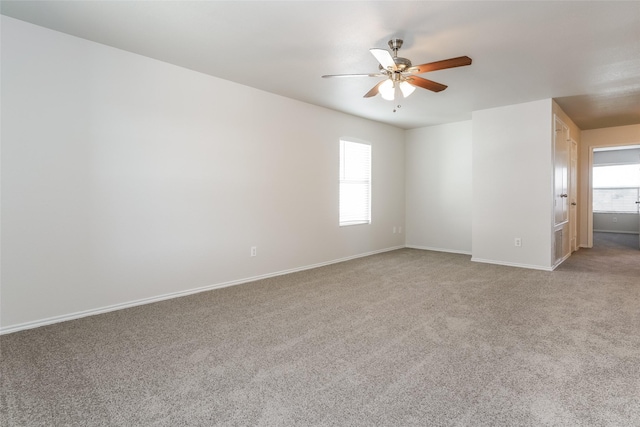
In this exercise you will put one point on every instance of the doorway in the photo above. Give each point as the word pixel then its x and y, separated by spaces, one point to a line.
pixel 614 207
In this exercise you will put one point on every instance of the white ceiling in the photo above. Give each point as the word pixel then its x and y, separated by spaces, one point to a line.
pixel 585 54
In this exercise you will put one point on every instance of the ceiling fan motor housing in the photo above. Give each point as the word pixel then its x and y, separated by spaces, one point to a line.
pixel 401 63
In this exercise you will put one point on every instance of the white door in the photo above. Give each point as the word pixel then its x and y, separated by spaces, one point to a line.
pixel 561 172
pixel 561 154
pixel 638 204
pixel 573 196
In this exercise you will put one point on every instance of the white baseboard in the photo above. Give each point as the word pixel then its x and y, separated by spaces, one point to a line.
pixel 427 248
pixel 512 264
pixel 129 304
pixel 616 232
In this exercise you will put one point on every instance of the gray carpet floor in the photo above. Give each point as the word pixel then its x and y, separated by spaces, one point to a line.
pixel 403 338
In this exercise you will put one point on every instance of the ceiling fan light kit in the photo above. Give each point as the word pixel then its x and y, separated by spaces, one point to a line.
pixel 391 90
pixel 387 90
pixel 406 88
pixel 400 75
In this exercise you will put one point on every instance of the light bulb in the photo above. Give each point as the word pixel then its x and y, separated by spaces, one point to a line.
pixel 386 90
pixel 406 88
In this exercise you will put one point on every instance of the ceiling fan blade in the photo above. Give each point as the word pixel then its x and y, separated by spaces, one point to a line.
pixel 373 91
pixel 426 84
pixel 441 65
pixel 384 58
pixel 354 75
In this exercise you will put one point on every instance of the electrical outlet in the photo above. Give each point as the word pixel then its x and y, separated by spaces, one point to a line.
pixel 394 230
pixel 399 230
pixel 615 219
pixel 254 251
pixel 518 242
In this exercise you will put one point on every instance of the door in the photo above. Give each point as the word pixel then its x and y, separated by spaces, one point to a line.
pixel 561 154
pixel 561 172
pixel 638 202
pixel 573 196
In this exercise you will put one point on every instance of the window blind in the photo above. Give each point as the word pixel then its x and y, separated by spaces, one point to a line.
pixel 616 188
pixel 616 200
pixel 355 183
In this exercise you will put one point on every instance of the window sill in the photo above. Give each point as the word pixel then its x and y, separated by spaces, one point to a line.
pixel 347 224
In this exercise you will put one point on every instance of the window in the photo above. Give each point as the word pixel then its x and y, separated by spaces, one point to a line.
pixel 355 183
pixel 618 200
pixel 616 188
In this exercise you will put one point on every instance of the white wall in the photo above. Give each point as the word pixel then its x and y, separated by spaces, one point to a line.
pixel 616 222
pixel 438 187
pixel 125 179
pixel 606 137
pixel 512 184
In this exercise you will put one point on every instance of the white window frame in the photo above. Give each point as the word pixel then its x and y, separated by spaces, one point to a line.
pixel 355 183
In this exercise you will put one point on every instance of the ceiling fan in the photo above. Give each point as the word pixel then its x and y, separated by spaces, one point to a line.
pixel 401 79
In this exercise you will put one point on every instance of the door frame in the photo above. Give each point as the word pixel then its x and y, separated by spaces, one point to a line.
pixel 573 195
pixel 612 146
